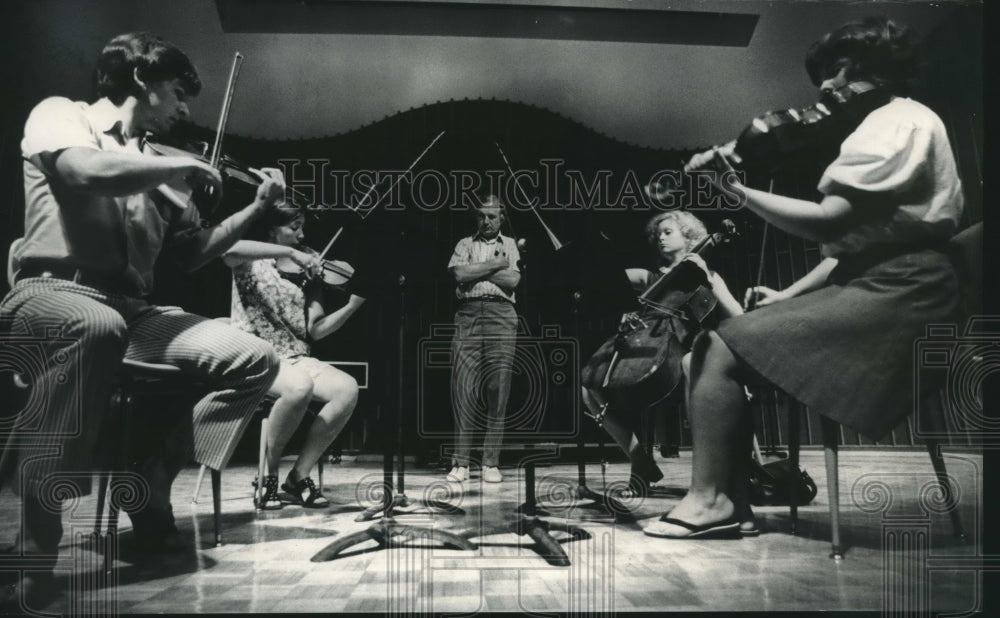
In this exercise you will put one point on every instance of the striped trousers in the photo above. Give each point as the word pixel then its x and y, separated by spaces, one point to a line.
pixel 71 340
pixel 483 357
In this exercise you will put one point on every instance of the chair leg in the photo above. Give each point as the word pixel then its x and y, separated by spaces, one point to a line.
pixel 319 472
pixel 122 402
pixel 103 478
pixel 262 471
pixel 794 424
pixel 217 505
pixel 830 431
pixel 937 460
pixel 197 485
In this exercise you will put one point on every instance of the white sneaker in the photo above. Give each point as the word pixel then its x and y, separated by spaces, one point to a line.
pixel 492 474
pixel 458 474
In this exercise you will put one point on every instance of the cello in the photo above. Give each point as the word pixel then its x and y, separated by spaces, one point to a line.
pixel 645 354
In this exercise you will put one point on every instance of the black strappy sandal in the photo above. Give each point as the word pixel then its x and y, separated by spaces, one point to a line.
pixel 313 500
pixel 269 500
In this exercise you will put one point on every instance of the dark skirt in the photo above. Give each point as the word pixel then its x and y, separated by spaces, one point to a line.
pixel 848 350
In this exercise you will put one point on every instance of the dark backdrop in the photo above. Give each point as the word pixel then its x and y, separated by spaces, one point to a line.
pixel 401 238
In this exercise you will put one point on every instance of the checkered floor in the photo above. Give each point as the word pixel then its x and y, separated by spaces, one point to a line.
pixel 895 536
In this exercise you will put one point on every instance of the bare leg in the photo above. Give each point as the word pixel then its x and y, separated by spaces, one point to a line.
pixel 340 391
pixel 294 389
pixel 717 410
pixel 741 471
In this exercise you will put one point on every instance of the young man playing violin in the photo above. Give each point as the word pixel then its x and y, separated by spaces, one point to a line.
pixel 840 340
pixel 277 297
pixel 672 235
pixel 95 224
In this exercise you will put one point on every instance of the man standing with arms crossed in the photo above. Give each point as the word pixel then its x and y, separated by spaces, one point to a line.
pixel 485 267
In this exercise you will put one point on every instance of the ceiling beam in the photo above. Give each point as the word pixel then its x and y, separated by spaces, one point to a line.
pixel 472 19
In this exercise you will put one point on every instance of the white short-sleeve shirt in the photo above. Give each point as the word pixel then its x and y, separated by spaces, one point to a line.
pixel 901 158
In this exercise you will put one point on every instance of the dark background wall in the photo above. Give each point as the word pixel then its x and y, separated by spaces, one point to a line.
pixel 375 102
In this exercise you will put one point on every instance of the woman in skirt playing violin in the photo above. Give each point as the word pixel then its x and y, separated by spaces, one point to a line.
pixel 841 339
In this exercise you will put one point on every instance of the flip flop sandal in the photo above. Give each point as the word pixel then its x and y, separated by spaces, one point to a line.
pixel 716 530
pixel 750 532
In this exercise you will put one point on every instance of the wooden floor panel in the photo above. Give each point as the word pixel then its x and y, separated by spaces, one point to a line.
pixel 264 565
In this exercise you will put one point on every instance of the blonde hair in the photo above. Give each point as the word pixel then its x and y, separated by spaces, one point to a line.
pixel 690 226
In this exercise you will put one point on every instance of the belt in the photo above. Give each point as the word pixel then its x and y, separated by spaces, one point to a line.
pixel 65 272
pixel 489 298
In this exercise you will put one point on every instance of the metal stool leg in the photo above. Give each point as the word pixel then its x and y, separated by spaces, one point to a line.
pixel 103 478
pixel 258 492
pixel 937 460
pixel 794 443
pixel 217 505
pixel 121 404
pixel 197 485
pixel 830 429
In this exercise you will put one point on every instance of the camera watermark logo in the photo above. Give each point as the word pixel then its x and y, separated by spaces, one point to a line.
pixel 32 367
pixel 916 552
pixel 950 372
pixel 514 383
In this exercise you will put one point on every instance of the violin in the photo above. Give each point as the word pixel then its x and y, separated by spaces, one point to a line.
pixel 180 194
pixel 775 138
pixel 335 274
pixel 645 354
pixel 228 168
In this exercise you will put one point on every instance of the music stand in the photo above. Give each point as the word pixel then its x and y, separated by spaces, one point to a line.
pixel 595 283
pixel 387 532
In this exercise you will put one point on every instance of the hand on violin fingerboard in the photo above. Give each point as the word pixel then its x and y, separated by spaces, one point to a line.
pixel 310 264
pixel 205 176
pixel 718 158
pixel 272 187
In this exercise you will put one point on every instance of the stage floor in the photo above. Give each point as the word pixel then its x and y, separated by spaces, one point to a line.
pixel 901 556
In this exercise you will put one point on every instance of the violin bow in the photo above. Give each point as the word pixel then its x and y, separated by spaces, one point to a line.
pixel 507 217
pixel 227 103
pixel 552 237
pixel 364 198
pixel 330 244
pixel 751 302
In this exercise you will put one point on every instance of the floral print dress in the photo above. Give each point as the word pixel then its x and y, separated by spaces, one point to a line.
pixel 271 307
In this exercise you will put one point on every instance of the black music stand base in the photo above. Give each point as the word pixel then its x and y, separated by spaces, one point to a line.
pixel 389 534
pixel 528 524
pixel 401 501
pixel 603 502
pixel 593 500
pixel 546 546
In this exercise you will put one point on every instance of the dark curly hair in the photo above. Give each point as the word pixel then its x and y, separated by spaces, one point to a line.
pixel 284 214
pixel 878 49
pixel 153 58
